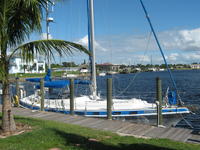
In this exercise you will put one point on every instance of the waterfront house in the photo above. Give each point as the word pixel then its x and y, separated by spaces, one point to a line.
pixel 195 66
pixel 107 67
pixel 67 69
pixel 17 65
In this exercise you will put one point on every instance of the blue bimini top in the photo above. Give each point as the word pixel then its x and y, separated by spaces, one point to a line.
pixel 62 83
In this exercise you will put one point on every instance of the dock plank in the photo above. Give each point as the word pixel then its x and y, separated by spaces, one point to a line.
pixel 83 121
pixel 155 132
pixel 94 123
pixel 125 127
pixel 141 131
pixel 186 134
pixel 195 138
pixel 130 129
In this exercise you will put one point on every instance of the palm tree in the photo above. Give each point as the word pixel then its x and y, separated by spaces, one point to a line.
pixel 18 19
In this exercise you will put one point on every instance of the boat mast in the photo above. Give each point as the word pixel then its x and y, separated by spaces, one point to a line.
pixel 91 45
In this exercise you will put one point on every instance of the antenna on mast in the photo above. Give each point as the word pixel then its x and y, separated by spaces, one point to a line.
pixel 49 10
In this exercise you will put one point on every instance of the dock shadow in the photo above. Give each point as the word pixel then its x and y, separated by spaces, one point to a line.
pixel 85 143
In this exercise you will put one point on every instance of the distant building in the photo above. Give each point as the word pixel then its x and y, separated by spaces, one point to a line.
pixel 106 67
pixel 180 66
pixel 84 68
pixel 138 69
pixel 81 68
pixel 17 65
pixel 195 66
pixel 161 69
pixel 67 69
pixel 153 69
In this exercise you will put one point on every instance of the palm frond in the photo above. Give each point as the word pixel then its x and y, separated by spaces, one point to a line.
pixel 23 17
pixel 45 47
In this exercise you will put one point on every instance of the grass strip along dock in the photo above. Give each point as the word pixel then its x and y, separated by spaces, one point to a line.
pixel 63 131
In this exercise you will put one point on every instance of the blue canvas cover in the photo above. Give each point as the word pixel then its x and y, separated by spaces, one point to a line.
pixel 172 98
pixel 55 84
pixel 48 75
pixel 62 83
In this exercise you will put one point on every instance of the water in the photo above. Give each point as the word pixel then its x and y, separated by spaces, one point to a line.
pixel 143 85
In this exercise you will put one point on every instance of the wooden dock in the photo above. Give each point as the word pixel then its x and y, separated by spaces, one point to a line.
pixel 120 127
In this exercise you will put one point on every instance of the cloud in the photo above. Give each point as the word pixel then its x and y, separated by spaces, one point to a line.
pixel 84 41
pixel 181 39
pixel 187 57
pixel 142 59
pixel 180 46
pixel 169 40
pixel 44 36
pixel 173 56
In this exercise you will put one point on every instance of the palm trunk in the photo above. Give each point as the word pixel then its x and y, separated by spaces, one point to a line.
pixel 8 123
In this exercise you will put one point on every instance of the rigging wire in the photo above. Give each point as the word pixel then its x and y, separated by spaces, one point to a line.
pixel 142 59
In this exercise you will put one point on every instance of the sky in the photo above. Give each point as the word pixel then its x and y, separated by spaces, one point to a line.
pixel 122 33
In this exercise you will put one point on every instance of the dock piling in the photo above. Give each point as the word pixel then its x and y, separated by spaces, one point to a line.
pixel 159 101
pixel 42 94
pixel 72 96
pixel 109 98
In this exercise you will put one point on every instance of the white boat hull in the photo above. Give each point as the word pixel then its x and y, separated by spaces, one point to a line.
pixel 84 105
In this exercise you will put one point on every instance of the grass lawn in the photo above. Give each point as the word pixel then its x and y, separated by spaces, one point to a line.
pixel 49 134
pixel 31 75
pixel 27 75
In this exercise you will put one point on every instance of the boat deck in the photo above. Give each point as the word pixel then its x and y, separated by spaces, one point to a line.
pixel 116 126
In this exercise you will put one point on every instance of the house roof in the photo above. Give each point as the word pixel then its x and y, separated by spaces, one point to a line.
pixel 106 64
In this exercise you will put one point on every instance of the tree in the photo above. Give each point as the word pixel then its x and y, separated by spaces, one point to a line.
pixel 33 67
pixel 40 68
pixel 69 64
pixel 56 66
pixel 24 67
pixel 18 19
pixel 163 66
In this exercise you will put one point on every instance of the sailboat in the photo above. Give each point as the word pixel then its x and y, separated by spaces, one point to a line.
pixel 133 109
